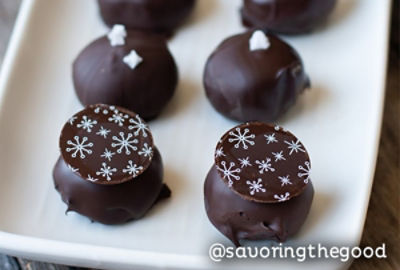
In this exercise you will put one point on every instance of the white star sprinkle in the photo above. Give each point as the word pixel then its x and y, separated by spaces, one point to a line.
pixel 259 41
pixel 117 35
pixel 132 59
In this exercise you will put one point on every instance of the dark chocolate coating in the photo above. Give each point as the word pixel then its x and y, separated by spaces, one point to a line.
pixel 101 76
pixel 286 16
pixel 256 85
pixel 239 219
pixel 161 16
pixel 111 204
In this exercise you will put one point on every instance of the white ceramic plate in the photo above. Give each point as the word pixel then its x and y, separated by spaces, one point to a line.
pixel 338 120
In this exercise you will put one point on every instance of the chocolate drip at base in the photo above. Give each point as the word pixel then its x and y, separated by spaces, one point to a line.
pixel 239 219
pixel 112 204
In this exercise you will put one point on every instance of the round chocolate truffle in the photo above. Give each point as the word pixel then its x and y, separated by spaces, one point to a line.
pixel 109 169
pixel 254 77
pixel 161 16
pixel 133 69
pixel 259 187
pixel 286 16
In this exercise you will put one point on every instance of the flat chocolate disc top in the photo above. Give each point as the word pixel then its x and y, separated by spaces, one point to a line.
pixel 263 163
pixel 106 144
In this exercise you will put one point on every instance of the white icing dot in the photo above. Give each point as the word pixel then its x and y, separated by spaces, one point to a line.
pixel 117 35
pixel 259 41
pixel 133 59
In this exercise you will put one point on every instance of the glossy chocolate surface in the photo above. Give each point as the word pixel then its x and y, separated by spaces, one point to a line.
pixel 286 16
pixel 263 163
pixel 101 76
pixel 111 204
pixel 258 85
pixel 161 16
pixel 239 219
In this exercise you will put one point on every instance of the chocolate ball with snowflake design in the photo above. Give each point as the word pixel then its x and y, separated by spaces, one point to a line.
pixel 259 186
pixel 109 169
pixel 131 69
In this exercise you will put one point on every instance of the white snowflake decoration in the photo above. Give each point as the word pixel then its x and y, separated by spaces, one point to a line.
pixel 294 147
pixel 284 180
pixel 277 128
pixel 80 147
pixel 265 165
pixel 147 151
pixel 103 132
pixel 255 186
pixel 106 171
pixel 86 124
pixel 72 168
pixel 229 172
pixel 72 120
pixel 305 171
pixel 133 59
pixel 241 138
pixel 271 138
pixel 245 162
pixel 118 118
pixel 117 35
pixel 132 169
pixel 91 179
pixel 220 152
pixel 124 143
pixel 107 154
pixel 138 126
pixel 259 41
pixel 282 197
pixel 278 156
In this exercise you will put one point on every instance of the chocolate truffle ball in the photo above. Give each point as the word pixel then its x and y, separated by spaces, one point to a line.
pixel 259 187
pixel 109 169
pixel 161 16
pixel 254 77
pixel 286 16
pixel 133 69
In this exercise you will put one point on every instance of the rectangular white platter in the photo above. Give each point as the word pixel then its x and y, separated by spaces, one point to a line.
pixel 338 120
